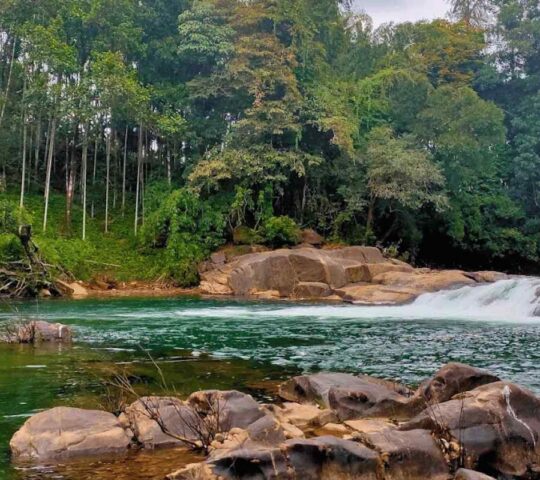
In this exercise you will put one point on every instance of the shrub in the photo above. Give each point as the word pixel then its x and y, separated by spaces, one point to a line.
pixel 280 231
pixel 189 229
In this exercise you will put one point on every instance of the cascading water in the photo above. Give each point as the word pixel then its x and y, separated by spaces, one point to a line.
pixel 516 299
pixel 513 299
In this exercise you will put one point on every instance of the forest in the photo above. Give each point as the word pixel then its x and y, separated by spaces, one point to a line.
pixel 137 137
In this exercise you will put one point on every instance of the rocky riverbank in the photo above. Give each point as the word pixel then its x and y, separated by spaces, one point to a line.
pixel 462 423
pixel 360 275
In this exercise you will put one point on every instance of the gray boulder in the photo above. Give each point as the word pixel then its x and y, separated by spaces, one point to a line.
pixel 497 425
pixel 67 432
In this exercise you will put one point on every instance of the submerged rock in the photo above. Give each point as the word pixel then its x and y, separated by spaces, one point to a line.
pixel 37 331
pixel 353 274
pixel 67 432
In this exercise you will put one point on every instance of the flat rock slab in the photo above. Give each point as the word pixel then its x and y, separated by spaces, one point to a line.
pixel 67 432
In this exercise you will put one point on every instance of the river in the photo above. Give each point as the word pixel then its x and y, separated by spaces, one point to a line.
pixel 251 346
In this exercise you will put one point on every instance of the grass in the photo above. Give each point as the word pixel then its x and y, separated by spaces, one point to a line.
pixel 117 255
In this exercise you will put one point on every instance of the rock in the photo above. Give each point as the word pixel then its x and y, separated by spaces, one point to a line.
pixel 377 295
pixel 218 258
pixel 68 432
pixel 311 237
pixel 308 290
pixel 235 409
pixel 353 274
pixel 464 474
pixel 44 293
pixel 497 425
pixel 369 426
pixel 412 454
pixel 347 395
pixel 425 282
pixel 367 399
pixel 488 277
pixel 301 416
pixel 450 380
pixel 148 415
pixel 359 254
pixel 333 429
pixel 39 331
pixel 266 431
pixel 331 458
pixel 194 471
pixel 250 464
pixel 370 271
pixel 74 289
pixel 316 266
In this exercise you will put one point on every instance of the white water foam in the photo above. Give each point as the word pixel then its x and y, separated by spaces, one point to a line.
pixel 512 300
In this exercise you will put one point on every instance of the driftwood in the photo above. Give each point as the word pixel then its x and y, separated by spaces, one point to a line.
pixel 31 276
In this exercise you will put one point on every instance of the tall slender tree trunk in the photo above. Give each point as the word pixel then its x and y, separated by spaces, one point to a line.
pixel 49 168
pixel 37 150
pixel 124 169
pixel 169 171
pixel 370 218
pixel 139 172
pixel 107 178
pixel 84 169
pixel 23 167
pixel 70 182
pixel 94 170
pixel 8 83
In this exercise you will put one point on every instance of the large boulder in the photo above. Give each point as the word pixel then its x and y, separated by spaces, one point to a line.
pixel 255 463
pixel 230 409
pixel 162 421
pixel 68 432
pixel 450 380
pixel 331 458
pixel 408 455
pixel 355 274
pixel 311 237
pixel 348 396
pixel 497 425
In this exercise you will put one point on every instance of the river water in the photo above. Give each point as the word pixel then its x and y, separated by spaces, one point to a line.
pixel 202 343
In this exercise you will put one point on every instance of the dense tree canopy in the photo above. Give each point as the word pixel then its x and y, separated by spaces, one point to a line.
pixel 411 135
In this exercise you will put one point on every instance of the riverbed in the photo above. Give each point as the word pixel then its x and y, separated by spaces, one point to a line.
pixel 250 346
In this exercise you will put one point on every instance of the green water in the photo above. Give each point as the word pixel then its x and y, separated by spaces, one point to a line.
pixel 226 344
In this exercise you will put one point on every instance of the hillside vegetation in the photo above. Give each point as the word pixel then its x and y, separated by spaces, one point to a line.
pixel 137 136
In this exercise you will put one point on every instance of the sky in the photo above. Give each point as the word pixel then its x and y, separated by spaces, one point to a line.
pixel 383 11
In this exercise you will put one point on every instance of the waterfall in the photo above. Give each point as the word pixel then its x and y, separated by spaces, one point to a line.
pixel 516 299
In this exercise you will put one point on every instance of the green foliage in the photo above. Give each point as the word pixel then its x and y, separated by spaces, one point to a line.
pixel 188 230
pixel 281 231
pixel 210 115
pixel 401 173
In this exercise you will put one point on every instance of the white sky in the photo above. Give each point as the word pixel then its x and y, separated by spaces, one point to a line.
pixel 397 11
